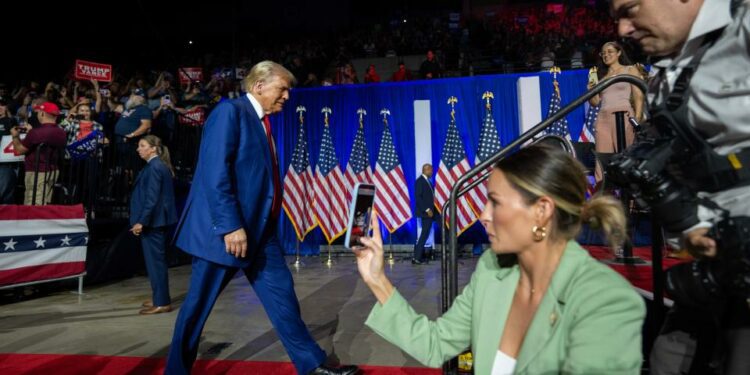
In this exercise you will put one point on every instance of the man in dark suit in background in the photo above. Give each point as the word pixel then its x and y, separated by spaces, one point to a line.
pixel 230 219
pixel 425 211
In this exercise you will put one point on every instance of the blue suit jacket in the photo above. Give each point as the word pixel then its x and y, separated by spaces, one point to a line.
pixel 152 202
pixel 232 187
pixel 425 197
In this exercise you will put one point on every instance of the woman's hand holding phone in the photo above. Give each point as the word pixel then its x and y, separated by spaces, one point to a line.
pixel 370 262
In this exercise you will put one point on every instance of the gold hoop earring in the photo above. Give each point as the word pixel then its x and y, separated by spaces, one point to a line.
pixel 539 233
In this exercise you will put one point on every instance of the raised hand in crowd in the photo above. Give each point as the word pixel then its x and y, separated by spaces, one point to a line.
pixel 98 95
pixel 158 87
pixel 76 87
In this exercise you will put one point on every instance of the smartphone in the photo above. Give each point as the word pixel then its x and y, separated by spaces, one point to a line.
pixel 360 211
pixel 593 77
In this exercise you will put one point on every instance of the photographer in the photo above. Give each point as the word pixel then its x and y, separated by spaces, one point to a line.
pixel 700 95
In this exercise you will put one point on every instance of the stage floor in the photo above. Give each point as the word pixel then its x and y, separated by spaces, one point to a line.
pixel 334 301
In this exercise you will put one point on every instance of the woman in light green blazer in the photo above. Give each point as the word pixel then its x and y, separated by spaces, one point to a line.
pixel 537 303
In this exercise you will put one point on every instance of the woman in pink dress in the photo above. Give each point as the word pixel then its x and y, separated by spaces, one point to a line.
pixel 620 97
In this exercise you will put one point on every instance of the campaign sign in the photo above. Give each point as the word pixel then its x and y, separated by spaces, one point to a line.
pixel 190 74
pixel 90 70
pixel 7 153
pixel 193 117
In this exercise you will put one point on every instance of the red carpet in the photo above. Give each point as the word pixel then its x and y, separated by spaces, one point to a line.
pixel 59 364
pixel 640 276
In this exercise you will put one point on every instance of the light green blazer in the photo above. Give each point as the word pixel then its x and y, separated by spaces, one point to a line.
pixel 589 321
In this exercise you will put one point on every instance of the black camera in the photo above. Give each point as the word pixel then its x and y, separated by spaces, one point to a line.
pixel 663 171
pixel 700 283
pixel 643 170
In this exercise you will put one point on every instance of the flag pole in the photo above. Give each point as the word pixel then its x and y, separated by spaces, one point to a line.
pixel 391 261
pixel 297 262
pixel 329 262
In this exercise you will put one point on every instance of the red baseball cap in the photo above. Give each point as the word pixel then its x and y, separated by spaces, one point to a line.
pixel 48 107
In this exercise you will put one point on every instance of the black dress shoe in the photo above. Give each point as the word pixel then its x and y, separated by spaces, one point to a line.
pixel 327 370
pixel 419 262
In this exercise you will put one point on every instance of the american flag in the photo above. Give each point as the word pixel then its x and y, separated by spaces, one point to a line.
pixel 392 194
pixel 588 133
pixel 453 164
pixel 298 185
pixel 358 169
pixel 489 144
pixel 330 197
pixel 560 127
pixel 42 243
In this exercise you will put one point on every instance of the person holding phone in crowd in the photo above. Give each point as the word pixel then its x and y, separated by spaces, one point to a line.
pixel 79 124
pixel 152 211
pixel 537 302
pixel 41 174
pixel 165 118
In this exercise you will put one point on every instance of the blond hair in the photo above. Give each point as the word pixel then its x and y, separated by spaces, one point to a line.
pixel 541 170
pixel 264 71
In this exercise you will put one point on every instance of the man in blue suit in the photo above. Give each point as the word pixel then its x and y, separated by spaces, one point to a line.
pixel 229 223
pixel 425 211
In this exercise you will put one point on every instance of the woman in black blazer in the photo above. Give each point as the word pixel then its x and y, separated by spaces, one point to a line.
pixel 152 211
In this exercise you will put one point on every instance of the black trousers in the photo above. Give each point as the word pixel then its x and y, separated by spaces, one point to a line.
pixel 426 229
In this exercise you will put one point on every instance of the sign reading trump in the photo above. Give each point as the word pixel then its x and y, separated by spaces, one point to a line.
pixel 193 117
pixel 91 70
pixel 190 74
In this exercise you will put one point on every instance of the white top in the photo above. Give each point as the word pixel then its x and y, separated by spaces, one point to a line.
pixel 504 364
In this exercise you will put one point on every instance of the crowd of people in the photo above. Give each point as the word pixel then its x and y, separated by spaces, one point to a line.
pixel 525 37
pixel 519 38
pixel 80 138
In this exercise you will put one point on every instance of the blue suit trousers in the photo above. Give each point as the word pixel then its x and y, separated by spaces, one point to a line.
pixel 269 276
pixel 153 243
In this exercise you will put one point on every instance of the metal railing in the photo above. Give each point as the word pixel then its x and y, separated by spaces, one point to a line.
pixel 450 254
pixel 102 181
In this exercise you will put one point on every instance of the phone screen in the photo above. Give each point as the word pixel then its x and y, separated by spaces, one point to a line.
pixel 593 78
pixel 360 212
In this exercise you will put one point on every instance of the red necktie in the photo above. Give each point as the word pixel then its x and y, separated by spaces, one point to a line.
pixel 276 205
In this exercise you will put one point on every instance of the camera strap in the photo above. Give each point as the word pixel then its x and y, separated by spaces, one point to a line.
pixel 710 171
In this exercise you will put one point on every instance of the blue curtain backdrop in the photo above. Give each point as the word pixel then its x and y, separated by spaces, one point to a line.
pixel 399 99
